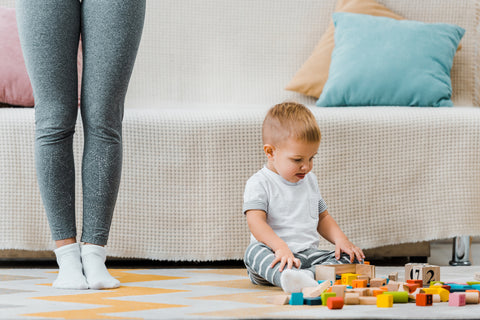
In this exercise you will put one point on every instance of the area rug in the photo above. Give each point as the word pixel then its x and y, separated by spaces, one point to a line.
pixel 194 294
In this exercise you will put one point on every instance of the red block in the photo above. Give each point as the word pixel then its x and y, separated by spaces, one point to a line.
pixel 413 286
pixel 424 299
pixel 419 282
pixel 447 287
pixel 335 303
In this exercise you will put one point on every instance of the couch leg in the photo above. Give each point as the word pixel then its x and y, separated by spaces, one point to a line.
pixel 461 251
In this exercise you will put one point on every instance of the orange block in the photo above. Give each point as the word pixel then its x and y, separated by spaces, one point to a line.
pixel 359 283
pixel 424 299
pixel 377 292
pixel 335 303
pixel 413 286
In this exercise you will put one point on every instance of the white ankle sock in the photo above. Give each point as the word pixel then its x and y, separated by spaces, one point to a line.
pixel 70 275
pixel 294 280
pixel 93 260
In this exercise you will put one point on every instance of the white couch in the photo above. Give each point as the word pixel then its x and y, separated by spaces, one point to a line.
pixel 206 73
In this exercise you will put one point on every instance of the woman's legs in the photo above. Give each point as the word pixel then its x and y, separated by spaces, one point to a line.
pixel 111 31
pixel 49 33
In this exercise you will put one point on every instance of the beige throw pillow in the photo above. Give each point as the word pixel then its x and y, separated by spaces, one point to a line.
pixel 312 76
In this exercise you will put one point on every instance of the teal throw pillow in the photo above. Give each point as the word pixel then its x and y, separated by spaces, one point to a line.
pixel 380 61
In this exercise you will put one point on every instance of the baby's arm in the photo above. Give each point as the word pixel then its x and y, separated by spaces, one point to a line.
pixel 329 229
pixel 257 222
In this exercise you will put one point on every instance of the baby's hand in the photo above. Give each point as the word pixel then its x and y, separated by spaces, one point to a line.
pixel 349 248
pixel 285 257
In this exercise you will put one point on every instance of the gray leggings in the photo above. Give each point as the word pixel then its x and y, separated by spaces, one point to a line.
pixel 258 258
pixel 49 33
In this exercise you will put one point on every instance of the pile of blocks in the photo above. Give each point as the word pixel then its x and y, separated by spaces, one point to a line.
pixel 348 284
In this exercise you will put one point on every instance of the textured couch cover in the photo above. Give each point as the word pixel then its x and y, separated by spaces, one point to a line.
pixel 206 73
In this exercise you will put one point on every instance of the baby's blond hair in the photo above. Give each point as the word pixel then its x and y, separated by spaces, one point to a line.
pixel 290 120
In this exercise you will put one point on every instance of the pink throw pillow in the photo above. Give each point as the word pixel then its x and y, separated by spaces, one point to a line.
pixel 15 87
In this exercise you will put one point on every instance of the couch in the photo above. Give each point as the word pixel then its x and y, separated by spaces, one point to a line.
pixel 206 73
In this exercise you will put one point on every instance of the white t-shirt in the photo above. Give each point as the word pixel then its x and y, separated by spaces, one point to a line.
pixel 292 208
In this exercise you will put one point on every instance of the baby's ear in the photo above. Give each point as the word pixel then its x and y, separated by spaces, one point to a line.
pixel 268 149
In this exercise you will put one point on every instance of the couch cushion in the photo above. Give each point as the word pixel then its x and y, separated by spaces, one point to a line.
pixel 379 61
pixel 313 74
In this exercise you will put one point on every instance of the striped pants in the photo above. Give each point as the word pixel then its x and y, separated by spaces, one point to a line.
pixel 258 258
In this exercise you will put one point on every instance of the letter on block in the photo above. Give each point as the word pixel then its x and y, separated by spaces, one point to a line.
pixel 424 299
pixel 420 271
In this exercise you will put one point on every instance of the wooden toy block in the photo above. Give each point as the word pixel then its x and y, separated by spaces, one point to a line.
pixel 457 299
pixel 393 276
pixel 393 286
pixel 325 297
pixel 412 286
pixel 330 272
pixel 378 282
pixel 385 301
pixel 339 290
pixel 347 278
pixel 362 292
pixel 359 283
pixel 335 303
pixel 415 282
pixel 312 301
pixel 312 292
pixel 398 296
pixel 424 272
pixel 472 297
pixel 413 295
pixel 443 293
pixel 278 299
pixel 352 298
pixel 296 299
pixel 477 276
pixel 446 287
pixel 368 300
pixel 424 299
pixel 377 292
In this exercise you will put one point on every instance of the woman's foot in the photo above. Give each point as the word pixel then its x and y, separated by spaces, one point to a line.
pixel 93 260
pixel 70 275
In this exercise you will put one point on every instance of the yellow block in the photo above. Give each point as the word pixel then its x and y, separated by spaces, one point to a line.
pixel 347 278
pixel 385 301
pixel 443 293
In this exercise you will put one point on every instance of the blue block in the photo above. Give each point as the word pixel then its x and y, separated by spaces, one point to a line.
pixel 296 299
pixel 313 301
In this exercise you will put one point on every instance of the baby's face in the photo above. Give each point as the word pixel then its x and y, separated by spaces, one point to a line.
pixel 293 159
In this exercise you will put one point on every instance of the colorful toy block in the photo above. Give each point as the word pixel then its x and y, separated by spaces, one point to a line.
pixel 347 278
pixel 312 301
pixel 457 299
pixel 398 296
pixel 359 283
pixel 424 299
pixel 412 286
pixel 424 272
pixel 385 301
pixel 325 297
pixel 335 303
pixel 443 293
pixel 296 299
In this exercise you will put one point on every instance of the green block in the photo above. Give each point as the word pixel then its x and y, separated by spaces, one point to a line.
pixel 327 295
pixel 398 296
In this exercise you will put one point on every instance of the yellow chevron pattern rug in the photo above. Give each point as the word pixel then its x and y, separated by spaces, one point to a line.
pixel 192 294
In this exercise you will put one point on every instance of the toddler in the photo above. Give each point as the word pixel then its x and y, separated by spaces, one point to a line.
pixel 285 211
